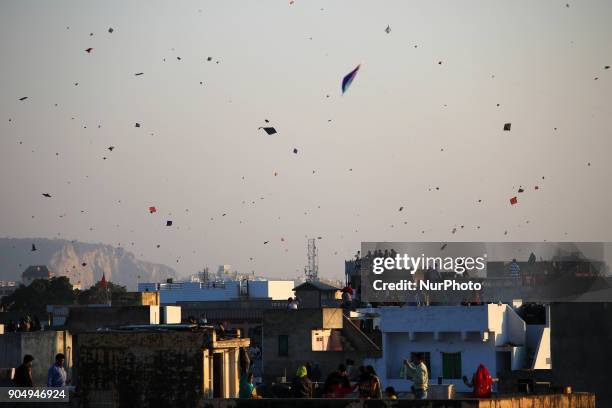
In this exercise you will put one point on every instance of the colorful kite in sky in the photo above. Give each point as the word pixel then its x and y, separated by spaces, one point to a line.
pixel 348 79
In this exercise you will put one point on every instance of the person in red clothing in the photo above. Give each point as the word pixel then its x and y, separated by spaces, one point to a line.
pixel 482 383
pixel 337 384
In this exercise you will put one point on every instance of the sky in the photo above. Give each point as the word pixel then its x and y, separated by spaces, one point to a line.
pixel 419 128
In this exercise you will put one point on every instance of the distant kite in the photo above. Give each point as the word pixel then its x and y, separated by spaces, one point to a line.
pixel 348 79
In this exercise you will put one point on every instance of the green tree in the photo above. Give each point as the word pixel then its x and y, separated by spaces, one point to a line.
pixel 34 298
pixel 100 293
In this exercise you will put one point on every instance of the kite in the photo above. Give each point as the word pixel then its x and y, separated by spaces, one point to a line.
pixel 295 151
pixel 137 125
pixel 513 200
pixel 110 30
pixel 348 79
pixel 269 130
pixel 152 209
pixel 89 50
pixel 168 223
pixel 507 126
pixel 388 29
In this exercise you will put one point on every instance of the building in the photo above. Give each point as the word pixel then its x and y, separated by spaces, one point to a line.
pixel 581 334
pixel 135 299
pixel 323 337
pixel 7 288
pixel 43 345
pixel 35 272
pixel 245 315
pixel 93 317
pixel 316 294
pixel 147 367
pixel 454 340
pixel 172 292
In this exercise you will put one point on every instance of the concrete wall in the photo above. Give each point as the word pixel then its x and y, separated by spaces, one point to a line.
pixel 539 401
pixel 171 293
pixel 145 369
pixel 533 335
pixel 276 290
pixel 543 358
pixel 136 299
pixel 298 325
pixel 398 346
pixel 518 358
pixel 170 314
pixel 332 318
pixel 514 327
pixel 309 299
pixel 91 318
pixel 475 331
pixel 580 339
pixel 441 318
pixel 43 345
pixel 506 324
pixel 10 350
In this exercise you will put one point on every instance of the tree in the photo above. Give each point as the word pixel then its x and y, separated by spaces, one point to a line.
pixel 34 298
pixel 100 293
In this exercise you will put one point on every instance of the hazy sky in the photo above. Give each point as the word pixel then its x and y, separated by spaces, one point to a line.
pixel 199 154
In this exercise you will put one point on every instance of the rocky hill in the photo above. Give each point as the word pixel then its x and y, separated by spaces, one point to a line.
pixel 81 262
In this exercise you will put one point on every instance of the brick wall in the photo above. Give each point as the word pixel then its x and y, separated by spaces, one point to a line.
pixel 144 369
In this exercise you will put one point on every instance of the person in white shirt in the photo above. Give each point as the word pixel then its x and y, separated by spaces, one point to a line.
pixel 56 376
pixel 420 376
pixel 292 305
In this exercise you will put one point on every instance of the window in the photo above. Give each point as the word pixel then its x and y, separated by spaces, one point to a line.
pixel 451 365
pixel 283 345
pixel 326 340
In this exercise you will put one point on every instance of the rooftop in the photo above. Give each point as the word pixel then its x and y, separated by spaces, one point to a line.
pixel 36 271
pixel 317 285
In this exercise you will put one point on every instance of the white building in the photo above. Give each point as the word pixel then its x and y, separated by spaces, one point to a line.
pixel 173 292
pixel 455 340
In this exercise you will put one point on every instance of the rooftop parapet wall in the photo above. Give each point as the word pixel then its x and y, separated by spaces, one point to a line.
pixel 540 401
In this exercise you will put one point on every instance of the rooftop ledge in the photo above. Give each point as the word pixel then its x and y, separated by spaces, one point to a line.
pixel 576 400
